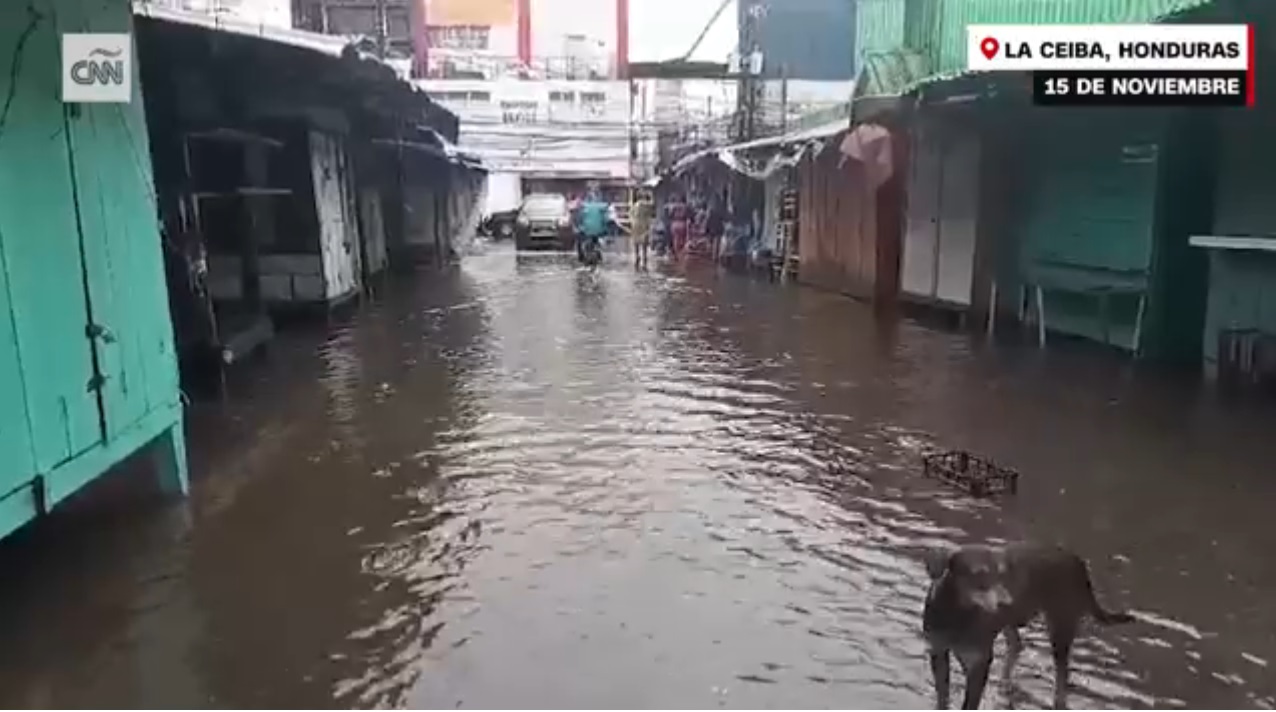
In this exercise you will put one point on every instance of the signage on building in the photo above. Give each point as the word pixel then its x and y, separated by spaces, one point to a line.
pixel 1122 65
pixel 97 68
pixel 518 112
pixel 750 63
pixel 489 13
pixel 460 37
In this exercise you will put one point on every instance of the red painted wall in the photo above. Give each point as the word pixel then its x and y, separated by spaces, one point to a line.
pixel 622 39
pixel 525 31
pixel 420 38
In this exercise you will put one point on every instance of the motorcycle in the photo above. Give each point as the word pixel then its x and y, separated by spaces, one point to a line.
pixel 591 253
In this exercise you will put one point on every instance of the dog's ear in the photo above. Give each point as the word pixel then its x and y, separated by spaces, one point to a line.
pixel 937 562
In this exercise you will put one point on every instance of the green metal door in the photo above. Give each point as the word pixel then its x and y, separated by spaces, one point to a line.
pixel 15 433
pixel 122 250
pixel 41 246
pixel 1093 203
pixel 1091 220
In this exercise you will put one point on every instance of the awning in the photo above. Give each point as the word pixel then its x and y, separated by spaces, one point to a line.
pixel 788 150
pixel 816 133
pixel 384 90
pixel 434 144
pixel 330 45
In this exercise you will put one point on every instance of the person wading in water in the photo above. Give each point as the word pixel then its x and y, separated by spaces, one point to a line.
pixel 641 213
pixel 679 216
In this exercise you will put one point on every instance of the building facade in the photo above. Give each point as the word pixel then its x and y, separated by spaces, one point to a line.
pixel 529 39
pixel 807 58
pixel 538 86
pixel 272 13
pixel 800 39
pixel 536 130
pixel 480 39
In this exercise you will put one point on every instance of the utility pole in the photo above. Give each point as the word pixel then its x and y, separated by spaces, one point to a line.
pixel 750 85
pixel 784 100
pixel 632 131
pixel 381 30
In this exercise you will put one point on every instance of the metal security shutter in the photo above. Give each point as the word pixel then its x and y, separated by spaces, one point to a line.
pixel 958 221
pixel 1090 224
pixel 921 233
pixel 942 219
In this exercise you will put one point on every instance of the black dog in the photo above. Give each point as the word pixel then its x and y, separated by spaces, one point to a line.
pixel 977 592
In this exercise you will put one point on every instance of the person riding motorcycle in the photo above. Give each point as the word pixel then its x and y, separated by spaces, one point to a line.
pixel 591 223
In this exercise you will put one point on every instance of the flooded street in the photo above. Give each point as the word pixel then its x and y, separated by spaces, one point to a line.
pixel 525 485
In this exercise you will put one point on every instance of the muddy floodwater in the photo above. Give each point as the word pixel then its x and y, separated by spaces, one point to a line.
pixel 520 484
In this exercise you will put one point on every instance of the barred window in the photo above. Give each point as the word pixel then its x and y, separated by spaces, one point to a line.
pixel 459 36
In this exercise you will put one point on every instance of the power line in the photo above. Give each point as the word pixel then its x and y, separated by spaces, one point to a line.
pixel 705 30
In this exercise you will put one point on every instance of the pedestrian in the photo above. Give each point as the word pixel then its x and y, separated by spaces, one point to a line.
pixel 715 226
pixel 641 213
pixel 678 224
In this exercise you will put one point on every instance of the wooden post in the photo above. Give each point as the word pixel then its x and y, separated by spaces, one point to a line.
pixel 261 224
pixel 992 308
pixel 1041 318
pixel 1137 344
pixel 1105 305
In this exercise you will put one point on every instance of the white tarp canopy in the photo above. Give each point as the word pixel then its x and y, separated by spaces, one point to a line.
pixel 790 149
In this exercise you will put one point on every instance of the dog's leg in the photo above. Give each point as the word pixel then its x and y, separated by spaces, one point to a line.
pixel 1014 646
pixel 939 671
pixel 1061 637
pixel 976 678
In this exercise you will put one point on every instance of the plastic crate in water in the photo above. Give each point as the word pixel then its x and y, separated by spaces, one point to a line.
pixel 976 475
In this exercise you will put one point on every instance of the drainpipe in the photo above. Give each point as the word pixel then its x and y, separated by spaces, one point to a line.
pixel 622 39
pixel 418 11
pixel 525 32
pixel 381 30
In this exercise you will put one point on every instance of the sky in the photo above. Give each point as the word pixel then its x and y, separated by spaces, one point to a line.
pixel 664 29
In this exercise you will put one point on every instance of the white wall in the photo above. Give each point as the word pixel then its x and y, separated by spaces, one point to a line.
pixel 525 126
pixel 582 31
pixel 504 191
pixel 275 13
pixel 555 22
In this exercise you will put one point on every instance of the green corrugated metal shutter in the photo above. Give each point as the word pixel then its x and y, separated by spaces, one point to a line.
pixel 954 15
pixel 1093 203
pixel 937 28
pixel 1090 218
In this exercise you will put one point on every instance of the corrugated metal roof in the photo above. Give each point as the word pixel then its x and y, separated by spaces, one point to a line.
pixel 903 53
pixel 893 71
pixel 812 134
pixel 330 45
pixel 879 25
pixel 935 30
pixel 727 155
pixel 946 35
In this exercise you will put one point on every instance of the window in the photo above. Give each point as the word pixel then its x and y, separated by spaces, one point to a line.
pixel 545 202
pixel 397 23
pixel 449 96
pixel 518 112
pixel 594 102
pixel 459 36
pixel 352 20
pixel 462 97
pixel 562 97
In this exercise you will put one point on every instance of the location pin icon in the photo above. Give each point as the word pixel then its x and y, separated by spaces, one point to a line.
pixel 989 47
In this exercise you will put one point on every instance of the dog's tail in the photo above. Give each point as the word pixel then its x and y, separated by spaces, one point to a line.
pixel 1101 614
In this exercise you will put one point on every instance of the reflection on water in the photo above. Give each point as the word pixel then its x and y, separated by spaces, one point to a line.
pixel 525 484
